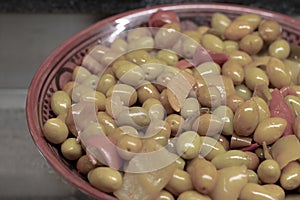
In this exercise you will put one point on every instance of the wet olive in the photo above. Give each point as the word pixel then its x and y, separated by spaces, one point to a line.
pixel 192 195
pixel 138 56
pixel 55 131
pixel 226 115
pixel 234 70
pixel 179 182
pixel 269 30
pixel 230 46
pixel 84 165
pixel 212 42
pixel 147 91
pixel 190 107
pixel 278 73
pixel 290 176
pixel 238 29
pixel 251 44
pixel 210 147
pixel 268 171
pixel 234 101
pixel 188 145
pixel 129 146
pixel 220 22
pixel 255 76
pixel 106 81
pixel 252 176
pixel 168 56
pixel 243 91
pixel 208 124
pixel 71 149
pixel 176 122
pixel 165 195
pixel 255 191
pixel 280 49
pixel 60 102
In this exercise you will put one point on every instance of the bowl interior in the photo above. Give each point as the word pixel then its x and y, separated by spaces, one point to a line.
pixel 57 69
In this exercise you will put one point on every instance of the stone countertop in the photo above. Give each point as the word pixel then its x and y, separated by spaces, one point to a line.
pixel 106 8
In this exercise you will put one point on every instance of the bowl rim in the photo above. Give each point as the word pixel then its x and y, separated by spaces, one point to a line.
pixel 32 99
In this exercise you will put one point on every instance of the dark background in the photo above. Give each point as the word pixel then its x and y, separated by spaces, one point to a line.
pixel 109 7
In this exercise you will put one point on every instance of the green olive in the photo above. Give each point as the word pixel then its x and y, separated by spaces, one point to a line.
pixel 240 57
pixel 233 70
pixel 165 195
pixel 224 142
pixel 129 146
pixel 255 76
pixel 208 68
pixel 192 195
pixel 165 102
pixel 208 95
pixel 246 118
pixel 230 158
pixel 78 91
pixel 159 131
pixel 208 124
pixel 176 122
pixel 153 68
pixel 135 116
pixel 68 87
pixel 167 36
pixel 189 46
pixel 294 104
pixel 230 46
pixel 168 56
pixel 119 132
pixel 290 176
pixel 204 175
pixel 294 68
pixel 226 115
pixel 296 127
pixel 60 102
pixel 91 81
pixel 80 74
pixel 190 107
pixel 137 33
pixel 230 182
pixel 269 30
pixel 220 22
pixel 238 29
pixel 210 147
pixel 252 176
pixel 253 160
pixel 55 131
pixel 179 182
pixel 212 42
pixel 234 101
pixel 142 43
pixel 106 81
pixel 97 97
pixel 180 163
pixel 107 122
pixel 105 179
pixel 188 145
pixel 268 171
pixel 255 191
pixel 269 130
pixel 154 108
pixel 254 19
pixel 252 44
pixel 279 48
pixel 138 56
pixel 84 165
pixel 119 45
pixel 263 108
pixel 275 190
pixel 278 73
pixel 147 91
pixel 243 91
pixel 71 149
pixel 125 93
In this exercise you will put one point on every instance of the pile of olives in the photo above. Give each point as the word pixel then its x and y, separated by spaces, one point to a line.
pixel 222 100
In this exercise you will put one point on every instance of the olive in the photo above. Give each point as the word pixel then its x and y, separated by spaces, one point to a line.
pixel 167 36
pixel 208 68
pixel 180 163
pixel 68 87
pixel 80 74
pixel 165 102
pixel 255 191
pixel 253 160
pixel 279 48
pixel 193 34
pixel 189 46
pixel 251 44
pixel 107 122
pixel 296 127
pixel 135 116
pixel 240 57
pixel 152 68
pixel 234 101
pixel 268 171
pixel 168 56
pixel 84 165
pixel 278 73
pixel 60 102
pixel 179 182
pixel 243 91
pixel 263 108
pixel 202 29
pixel 94 128
pixel 276 191
pixel 78 91
pixel 192 195
pixel 230 46
pixel 137 33
pixel 269 30
pixel 220 22
pixel 246 118
pixel 226 115
pixel 208 95
pixel 294 69
pixel 269 130
pixel 119 132
pixel 294 104
pixel 224 142
pixel 165 195
pixel 290 176
pixel 252 176
pixel 154 108
pixel 204 175
pixel 233 70
pixel 176 122
pixel 238 29
pixel 71 149
pixel 55 131
pixel 188 145
pixel 208 124
pixel 230 158
pixel 158 130
pixel 147 91
pixel 126 93
pixel 106 81
pixel 142 43
pixel 255 76
pixel 190 107
pixel 96 97
pixel 210 147
pixel 105 179
pixel 129 146
pixel 138 57
pixel 254 19
pixel 230 182
pixel 91 81
pixel 119 45
pixel 212 43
